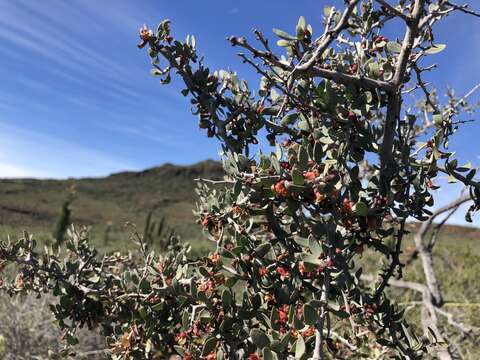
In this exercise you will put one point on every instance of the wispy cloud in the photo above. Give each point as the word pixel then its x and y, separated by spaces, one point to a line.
pixel 62 45
pixel 12 171
pixel 27 153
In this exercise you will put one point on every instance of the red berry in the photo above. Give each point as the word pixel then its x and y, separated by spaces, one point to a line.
pixel 282 272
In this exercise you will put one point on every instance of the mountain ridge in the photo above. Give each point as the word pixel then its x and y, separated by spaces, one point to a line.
pixel 166 191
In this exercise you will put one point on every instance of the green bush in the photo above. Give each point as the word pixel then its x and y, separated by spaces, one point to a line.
pixel 347 171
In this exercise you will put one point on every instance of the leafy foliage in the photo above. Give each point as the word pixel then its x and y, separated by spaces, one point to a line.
pixel 289 225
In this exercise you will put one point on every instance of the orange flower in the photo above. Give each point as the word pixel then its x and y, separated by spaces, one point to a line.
pixel 429 183
pixel 280 189
pixel 179 337
pixel 353 68
pixel 263 271
pixel 282 272
pixel 310 176
pixel 161 267
pixel 301 268
pixel 206 221
pixel 269 298
pixel 215 258
pixel 352 116
pixel 211 356
pixel 283 314
pixel 145 35
pixel 207 286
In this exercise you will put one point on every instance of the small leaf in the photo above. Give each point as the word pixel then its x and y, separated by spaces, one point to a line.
pixel 301 27
pixel 303 125
pixel 451 179
pixel 437 119
pixel 262 250
pixel 301 22
pixel 284 43
pixel 302 157
pixel 227 298
pixel 267 354
pixel 435 49
pixel 282 34
pixel 297 177
pixel 394 47
pixel 317 152
pixel 327 10
pixel 361 209
pixel 289 119
pixel 209 346
pixel 259 338
pixel 299 347
pixel 310 315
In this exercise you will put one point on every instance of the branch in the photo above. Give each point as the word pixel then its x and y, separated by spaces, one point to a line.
pixel 459 177
pixel 342 78
pixel 462 327
pixel 394 10
pixel 463 8
pixel 398 283
pixel 330 35
pixel 387 164
pixel 454 204
pixel 425 251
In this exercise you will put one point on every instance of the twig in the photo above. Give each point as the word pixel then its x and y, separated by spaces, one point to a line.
pixel 463 8
pixel 393 10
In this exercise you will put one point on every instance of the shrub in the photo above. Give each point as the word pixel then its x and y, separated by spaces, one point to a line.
pixel 347 172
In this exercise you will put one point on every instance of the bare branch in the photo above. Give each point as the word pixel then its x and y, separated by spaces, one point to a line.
pixel 462 327
pixel 454 204
pixel 463 8
pixel 394 10
pixel 342 78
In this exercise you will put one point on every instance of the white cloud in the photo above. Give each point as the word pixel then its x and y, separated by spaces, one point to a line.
pixel 62 45
pixel 30 154
pixel 12 171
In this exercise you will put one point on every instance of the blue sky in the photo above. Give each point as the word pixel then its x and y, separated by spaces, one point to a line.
pixel 77 98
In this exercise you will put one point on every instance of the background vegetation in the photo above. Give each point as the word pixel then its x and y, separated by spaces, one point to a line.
pixel 167 192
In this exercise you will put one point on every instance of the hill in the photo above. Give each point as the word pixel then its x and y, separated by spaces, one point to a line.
pixel 167 191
